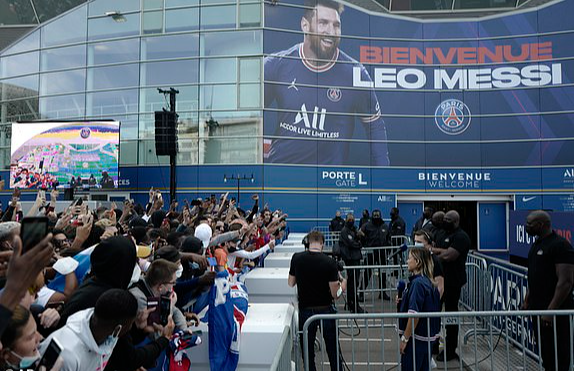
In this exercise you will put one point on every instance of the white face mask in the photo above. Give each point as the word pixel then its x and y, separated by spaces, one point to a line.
pixel 419 244
pixel 136 274
pixel 179 271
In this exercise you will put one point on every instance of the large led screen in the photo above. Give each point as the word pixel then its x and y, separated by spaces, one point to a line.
pixel 50 154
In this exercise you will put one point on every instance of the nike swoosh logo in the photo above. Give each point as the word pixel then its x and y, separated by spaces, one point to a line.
pixel 526 199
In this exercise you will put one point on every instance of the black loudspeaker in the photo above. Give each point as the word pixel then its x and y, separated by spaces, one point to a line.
pixel 165 133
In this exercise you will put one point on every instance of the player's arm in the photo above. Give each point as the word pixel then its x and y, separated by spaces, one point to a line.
pixel 269 67
pixel 292 281
pixel 369 107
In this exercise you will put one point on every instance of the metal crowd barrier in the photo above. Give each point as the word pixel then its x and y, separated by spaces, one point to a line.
pixel 371 341
pixel 331 238
pixel 282 360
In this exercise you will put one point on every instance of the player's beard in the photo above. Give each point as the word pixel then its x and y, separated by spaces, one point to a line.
pixel 324 53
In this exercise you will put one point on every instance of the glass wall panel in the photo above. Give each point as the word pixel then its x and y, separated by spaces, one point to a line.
pixel 153 22
pixel 152 4
pixel 174 3
pixel 230 123
pixel 5 135
pixel 113 52
pixel 250 69
pixel 218 97
pixel 225 151
pixel 187 99
pixel 71 28
pixel 63 107
pixel 27 43
pixel 188 151
pixel 170 46
pixel 20 87
pixel 20 64
pixel 218 17
pixel 219 70
pixel 5 158
pixel 19 110
pixel 109 103
pixel 249 95
pixel 60 58
pixel 63 82
pixel 17 13
pixel 231 43
pixel 181 19
pixel 107 27
pixel 249 15
pixel 187 125
pixel 113 77
pixel 147 154
pixel 129 152
pixel 100 7
pixel 49 9
pixel 166 73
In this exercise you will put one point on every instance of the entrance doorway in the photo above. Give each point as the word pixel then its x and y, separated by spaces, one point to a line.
pixel 468 216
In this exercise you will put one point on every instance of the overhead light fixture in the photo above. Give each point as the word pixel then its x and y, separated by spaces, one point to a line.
pixel 116 15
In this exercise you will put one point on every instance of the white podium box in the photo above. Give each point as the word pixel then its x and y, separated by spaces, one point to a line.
pixel 278 260
pixel 289 249
pixel 296 236
pixel 260 338
pixel 270 285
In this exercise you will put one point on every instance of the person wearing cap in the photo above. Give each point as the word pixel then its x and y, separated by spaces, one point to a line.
pixel 160 280
pixel 203 232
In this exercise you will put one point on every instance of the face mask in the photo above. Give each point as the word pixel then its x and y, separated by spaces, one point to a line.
pixel 27 362
pixel 179 271
pixel 419 244
pixel 350 223
pixel 112 339
pixel 136 274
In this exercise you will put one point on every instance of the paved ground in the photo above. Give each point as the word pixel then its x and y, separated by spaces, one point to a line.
pixel 373 345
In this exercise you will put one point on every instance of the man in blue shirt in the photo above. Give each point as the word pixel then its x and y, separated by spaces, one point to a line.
pixel 312 86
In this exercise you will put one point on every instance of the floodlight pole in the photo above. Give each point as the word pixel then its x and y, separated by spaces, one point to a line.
pixel 172 158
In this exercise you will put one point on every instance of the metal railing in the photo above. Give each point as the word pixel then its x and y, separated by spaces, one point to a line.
pixel 377 344
pixel 282 360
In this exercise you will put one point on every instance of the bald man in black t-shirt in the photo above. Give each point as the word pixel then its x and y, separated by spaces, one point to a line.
pixel 550 281
pixel 318 285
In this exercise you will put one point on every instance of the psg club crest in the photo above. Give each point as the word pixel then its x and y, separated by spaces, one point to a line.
pixel 85 133
pixel 452 117
pixel 334 94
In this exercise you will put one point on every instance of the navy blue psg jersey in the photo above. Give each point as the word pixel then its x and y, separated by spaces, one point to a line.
pixel 318 110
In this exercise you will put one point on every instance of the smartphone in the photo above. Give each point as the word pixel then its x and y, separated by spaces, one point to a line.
pixel 154 316
pixel 51 355
pixel 32 231
pixel 164 309
pixel 212 262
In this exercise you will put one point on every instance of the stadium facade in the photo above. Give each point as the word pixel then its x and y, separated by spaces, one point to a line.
pixel 450 109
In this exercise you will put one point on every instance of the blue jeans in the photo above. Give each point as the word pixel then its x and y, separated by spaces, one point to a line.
pixel 329 331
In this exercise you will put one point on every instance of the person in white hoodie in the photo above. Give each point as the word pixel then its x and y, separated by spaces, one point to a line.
pixel 90 335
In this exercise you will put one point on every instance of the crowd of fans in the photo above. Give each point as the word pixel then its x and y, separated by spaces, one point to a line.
pixel 90 284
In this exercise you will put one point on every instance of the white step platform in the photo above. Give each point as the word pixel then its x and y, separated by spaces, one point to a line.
pixel 278 260
pixel 289 249
pixel 296 236
pixel 269 285
pixel 260 338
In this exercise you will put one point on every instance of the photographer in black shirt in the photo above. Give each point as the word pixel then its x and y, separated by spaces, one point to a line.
pixel 318 285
